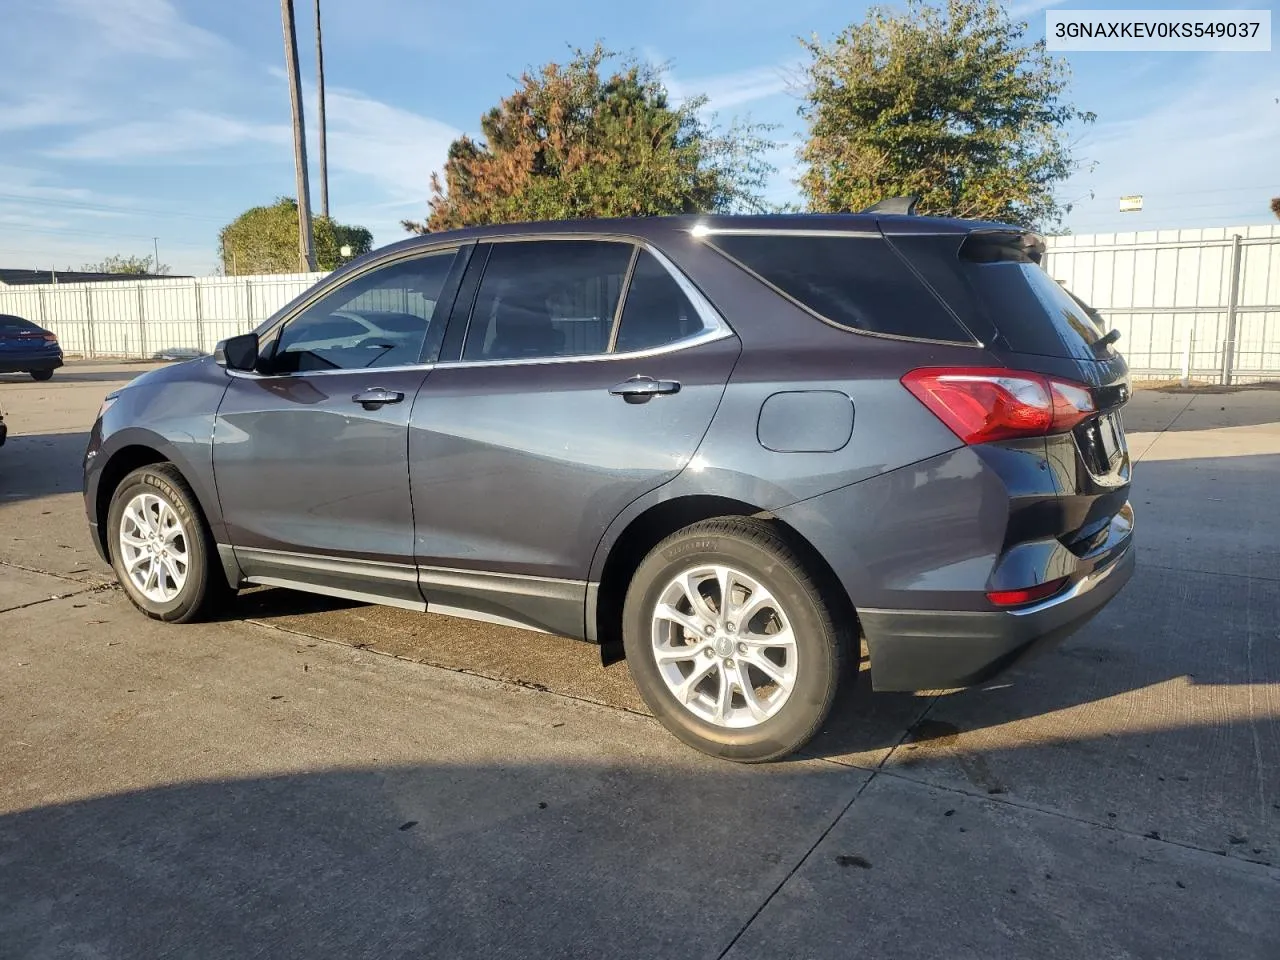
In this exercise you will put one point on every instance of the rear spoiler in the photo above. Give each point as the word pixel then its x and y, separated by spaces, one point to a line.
pixel 997 246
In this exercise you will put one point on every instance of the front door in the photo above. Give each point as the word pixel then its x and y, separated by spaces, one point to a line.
pixel 310 451
pixel 567 402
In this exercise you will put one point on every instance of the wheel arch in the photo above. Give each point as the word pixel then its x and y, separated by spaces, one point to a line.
pixel 657 522
pixel 139 451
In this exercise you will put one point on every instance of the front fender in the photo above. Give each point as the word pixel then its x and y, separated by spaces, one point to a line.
pixel 174 417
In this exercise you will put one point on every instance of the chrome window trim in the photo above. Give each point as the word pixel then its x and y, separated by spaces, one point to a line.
pixel 699 232
pixel 400 368
pixel 973 344
pixel 714 326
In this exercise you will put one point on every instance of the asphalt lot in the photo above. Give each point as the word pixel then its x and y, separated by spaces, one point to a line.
pixel 320 779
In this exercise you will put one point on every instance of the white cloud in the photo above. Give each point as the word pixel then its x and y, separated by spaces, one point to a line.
pixel 149 27
pixel 728 90
pixel 189 132
pixel 1199 157
pixel 396 148
pixel 45 110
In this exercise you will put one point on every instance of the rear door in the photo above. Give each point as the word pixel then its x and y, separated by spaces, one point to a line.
pixel 577 375
pixel 310 450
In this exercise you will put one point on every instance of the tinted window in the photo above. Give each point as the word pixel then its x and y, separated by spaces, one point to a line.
pixel 657 312
pixel 547 298
pixel 1032 312
pixel 380 319
pixel 857 282
pixel 1003 295
pixel 10 324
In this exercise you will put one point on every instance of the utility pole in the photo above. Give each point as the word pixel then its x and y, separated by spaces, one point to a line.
pixel 324 153
pixel 155 243
pixel 306 244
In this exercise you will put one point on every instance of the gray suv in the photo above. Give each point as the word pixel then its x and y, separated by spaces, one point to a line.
pixel 726 448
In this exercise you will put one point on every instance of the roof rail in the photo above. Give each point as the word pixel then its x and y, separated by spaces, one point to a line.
pixel 905 205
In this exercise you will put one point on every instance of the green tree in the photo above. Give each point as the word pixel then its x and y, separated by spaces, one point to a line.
pixel 1275 206
pixel 265 240
pixel 133 266
pixel 947 102
pixel 571 142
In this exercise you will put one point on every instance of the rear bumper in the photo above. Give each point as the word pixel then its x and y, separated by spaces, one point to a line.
pixel 942 649
pixel 27 364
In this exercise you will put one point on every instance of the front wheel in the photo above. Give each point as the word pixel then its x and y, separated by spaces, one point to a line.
pixel 41 374
pixel 731 642
pixel 161 548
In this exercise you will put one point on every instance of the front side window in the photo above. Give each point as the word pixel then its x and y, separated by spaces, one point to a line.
pixel 379 319
pixel 541 299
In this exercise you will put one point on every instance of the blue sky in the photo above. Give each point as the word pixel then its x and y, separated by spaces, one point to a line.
pixel 123 120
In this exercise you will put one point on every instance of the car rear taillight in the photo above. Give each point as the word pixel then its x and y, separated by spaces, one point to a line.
pixel 51 338
pixel 1013 598
pixel 981 405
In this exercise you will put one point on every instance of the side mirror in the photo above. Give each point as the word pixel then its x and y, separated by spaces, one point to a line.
pixel 237 353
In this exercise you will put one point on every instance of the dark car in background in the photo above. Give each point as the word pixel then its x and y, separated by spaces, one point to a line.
pixel 28 348
pixel 726 448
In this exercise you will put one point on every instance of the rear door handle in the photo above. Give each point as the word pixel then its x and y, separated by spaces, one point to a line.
pixel 375 397
pixel 641 389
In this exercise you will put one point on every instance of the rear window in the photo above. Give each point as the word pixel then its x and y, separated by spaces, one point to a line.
pixel 14 324
pixel 1033 313
pixel 1004 295
pixel 856 282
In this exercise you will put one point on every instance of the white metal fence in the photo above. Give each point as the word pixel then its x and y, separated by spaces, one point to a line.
pixel 1192 304
pixel 1201 304
pixel 139 318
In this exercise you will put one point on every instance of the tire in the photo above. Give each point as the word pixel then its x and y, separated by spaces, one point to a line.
pixel 792 698
pixel 181 592
pixel 41 375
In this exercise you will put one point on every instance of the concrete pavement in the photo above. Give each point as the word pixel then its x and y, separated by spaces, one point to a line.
pixel 323 779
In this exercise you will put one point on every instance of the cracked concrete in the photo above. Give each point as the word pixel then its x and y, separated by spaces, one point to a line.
pixel 319 778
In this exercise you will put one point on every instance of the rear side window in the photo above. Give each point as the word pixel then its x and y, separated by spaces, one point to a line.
pixel 856 282
pixel 11 324
pixel 657 312
pixel 541 299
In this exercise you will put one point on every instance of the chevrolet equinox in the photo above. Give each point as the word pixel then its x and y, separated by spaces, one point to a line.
pixel 726 448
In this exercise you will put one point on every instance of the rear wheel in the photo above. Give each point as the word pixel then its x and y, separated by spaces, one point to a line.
pixel 730 641
pixel 41 374
pixel 161 548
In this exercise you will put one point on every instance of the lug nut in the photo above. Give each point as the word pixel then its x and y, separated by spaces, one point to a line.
pixel 729 663
pixel 709 652
pixel 729 626
pixel 742 648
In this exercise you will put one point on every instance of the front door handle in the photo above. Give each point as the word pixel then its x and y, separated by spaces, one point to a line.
pixel 375 397
pixel 641 389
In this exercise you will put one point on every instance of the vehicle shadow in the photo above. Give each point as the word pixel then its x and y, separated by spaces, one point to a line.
pixel 273 603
